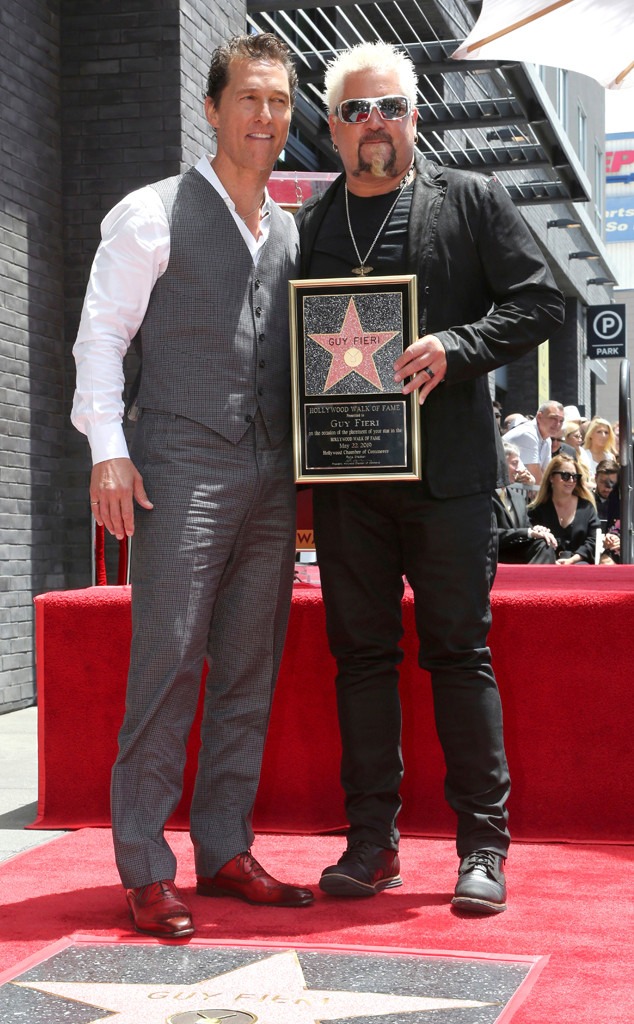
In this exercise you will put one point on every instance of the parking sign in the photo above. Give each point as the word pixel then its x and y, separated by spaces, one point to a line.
pixel 606 332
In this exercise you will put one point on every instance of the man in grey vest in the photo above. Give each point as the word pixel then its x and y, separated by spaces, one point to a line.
pixel 197 267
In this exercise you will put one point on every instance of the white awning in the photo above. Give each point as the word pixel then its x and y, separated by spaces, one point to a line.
pixel 593 37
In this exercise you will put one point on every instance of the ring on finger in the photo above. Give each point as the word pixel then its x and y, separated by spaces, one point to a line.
pixel 430 373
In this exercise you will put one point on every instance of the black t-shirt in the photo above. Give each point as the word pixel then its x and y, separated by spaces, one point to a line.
pixel 333 253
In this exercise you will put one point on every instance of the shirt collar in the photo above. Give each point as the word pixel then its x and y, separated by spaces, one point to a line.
pixel 207 171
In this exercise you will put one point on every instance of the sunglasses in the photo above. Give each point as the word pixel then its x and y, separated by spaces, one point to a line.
pixel 391 108
pixel 567 476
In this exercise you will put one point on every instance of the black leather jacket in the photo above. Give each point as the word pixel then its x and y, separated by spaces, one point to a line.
pixel 485 291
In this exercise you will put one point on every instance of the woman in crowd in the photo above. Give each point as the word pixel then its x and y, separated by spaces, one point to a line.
pixel 565 505
pixel 599 443
pixel 572 435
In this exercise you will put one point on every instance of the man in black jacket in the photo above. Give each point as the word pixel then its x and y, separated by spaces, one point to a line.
pixel 606 477
pixel 485 297
pixel 519 543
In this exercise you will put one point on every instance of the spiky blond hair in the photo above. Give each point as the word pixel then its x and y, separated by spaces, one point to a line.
pixel 368 57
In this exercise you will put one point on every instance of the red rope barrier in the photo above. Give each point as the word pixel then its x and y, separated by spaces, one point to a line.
pixel 101 576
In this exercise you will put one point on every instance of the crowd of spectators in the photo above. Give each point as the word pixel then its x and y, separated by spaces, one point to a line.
pixel 560 503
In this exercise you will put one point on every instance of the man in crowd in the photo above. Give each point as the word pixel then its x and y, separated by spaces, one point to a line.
pixel 485 297
pixel 606 479
pixel 198 267
pixel 558 446
pixel 519 543
pixel 608 504
pixel 497 413
pixel 534 438
pixel 513 420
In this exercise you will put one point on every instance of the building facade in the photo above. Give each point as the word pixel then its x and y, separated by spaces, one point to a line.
pixel 102 96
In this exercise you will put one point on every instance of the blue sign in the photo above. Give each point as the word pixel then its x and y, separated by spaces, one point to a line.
pixel 619 159
pixel 619 218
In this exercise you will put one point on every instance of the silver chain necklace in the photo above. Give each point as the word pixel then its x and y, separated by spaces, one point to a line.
pixel 362 270
pixel 251 212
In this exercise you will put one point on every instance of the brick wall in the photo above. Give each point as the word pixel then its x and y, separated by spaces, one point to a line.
pixel 203 26
pixel 32 397
pixel 565 363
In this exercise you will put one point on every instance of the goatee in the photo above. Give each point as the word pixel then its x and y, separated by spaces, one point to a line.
pixel 378 167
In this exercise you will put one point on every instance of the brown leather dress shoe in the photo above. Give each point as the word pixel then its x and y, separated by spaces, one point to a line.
pixel 157 909
pixel 245 878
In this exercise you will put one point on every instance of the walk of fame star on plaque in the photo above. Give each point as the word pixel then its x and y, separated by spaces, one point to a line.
pixel 353 349
pixel 350 342
pixel 84 981
pixel 351 420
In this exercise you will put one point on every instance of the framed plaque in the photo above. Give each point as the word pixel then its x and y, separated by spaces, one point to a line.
pixel 351 422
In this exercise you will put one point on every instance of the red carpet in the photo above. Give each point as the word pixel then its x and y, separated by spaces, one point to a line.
pixel 571 903
pixel 562 643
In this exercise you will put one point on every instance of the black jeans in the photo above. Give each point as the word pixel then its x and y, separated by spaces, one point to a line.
pixel 368 536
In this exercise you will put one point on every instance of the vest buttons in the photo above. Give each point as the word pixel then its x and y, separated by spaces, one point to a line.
pixel 256 283
pixel 261 364
pixel 248 418
pixel 260 391
pixel 260 338
pixel 258 311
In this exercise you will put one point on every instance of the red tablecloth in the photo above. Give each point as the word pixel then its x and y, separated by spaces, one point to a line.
pixel 562 642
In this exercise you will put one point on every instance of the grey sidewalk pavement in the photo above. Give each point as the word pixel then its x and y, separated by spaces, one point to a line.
pixel 18 783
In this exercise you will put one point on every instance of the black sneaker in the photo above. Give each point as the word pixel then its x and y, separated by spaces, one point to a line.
pixel 363 870
pixel 481 887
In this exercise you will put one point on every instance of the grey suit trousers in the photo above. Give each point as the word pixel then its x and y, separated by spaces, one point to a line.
pixel 212 572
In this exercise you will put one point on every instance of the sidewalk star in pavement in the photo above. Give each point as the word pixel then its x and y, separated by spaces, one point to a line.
pixel 271 991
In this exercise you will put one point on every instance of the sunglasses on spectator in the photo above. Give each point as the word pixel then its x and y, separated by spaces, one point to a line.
pixel 567 476
pixel 391 108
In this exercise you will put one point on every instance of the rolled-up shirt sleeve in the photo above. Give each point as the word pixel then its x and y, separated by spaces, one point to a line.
pixel 132 255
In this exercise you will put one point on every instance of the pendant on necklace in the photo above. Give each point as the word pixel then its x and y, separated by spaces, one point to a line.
pixel 361 271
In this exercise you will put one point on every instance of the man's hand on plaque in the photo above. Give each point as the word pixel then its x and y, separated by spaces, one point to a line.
pixel 424 363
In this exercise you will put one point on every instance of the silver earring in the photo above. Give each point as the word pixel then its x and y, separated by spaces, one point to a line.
pixel 335 148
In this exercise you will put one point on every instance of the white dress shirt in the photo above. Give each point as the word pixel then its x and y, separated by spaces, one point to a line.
pixel 133 253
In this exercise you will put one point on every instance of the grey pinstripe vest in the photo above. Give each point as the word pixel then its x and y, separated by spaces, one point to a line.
pixel 215 343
